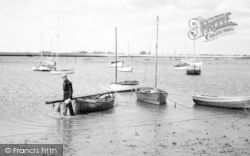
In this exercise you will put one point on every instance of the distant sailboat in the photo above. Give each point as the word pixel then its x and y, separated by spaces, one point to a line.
pixel 182 65
pixel 126 69
pixel 60 71
pixel 122 85
pixel 116 64
pixel 150 94
pixel 47 65
pixel 193 69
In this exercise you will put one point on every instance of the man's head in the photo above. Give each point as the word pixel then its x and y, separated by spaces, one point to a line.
pixel 64 76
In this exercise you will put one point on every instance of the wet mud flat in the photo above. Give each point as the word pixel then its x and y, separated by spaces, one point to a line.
pixel 218 135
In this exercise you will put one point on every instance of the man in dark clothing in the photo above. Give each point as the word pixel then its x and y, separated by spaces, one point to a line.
pixel 67 95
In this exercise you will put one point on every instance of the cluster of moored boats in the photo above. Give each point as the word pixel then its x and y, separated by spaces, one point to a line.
pixel 152 95
pixel 191 67
pixel 50 66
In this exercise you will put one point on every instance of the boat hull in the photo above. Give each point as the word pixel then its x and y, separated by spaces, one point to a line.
pixel 226 102
pixel 93 104
pixel 57 72
pixel 43 68
pixel 182 67
pixel 35 68
pixel 149 95
pixel 124 85
pixel 193 71
pixel 186 65
pixel 125 69
pixel 113 64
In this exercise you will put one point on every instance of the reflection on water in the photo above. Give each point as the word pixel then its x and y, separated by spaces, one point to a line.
pixel 24 92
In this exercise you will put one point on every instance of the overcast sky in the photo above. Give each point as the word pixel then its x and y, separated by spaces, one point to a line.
pixel 90 25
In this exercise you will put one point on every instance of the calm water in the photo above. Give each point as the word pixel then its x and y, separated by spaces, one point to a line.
pixel 24 92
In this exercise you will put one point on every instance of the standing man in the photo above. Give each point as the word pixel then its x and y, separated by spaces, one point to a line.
pixel 67 95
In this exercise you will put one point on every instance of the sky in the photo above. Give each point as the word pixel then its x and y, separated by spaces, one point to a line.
pixel 89 25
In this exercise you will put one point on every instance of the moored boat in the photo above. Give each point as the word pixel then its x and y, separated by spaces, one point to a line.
pixel 182 65
pixel 151 95
pixel 63 71
pixel 127 85
pixel 43 67
pixel 193 70
pixel 124 85
pixel 93 103
pixel 222 101
pixel 116 64
pixel 125 69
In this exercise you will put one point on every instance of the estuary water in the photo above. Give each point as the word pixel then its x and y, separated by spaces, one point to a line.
pixel 24 92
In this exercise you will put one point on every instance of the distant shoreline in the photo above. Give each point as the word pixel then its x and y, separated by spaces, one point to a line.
pixel 30 54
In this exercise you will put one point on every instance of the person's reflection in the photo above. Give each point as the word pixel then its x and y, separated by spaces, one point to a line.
pixel 65 130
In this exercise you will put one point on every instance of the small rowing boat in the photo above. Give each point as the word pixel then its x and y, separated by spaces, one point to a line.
pixel 221 101
pixel 84 105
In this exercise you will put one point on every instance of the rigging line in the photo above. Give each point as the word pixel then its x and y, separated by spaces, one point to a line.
pixel 115 93
pixel 145 72
pixel 179 104
pixel 151 42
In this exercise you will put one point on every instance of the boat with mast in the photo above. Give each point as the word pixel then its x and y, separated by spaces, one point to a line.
pixel 193 69
pixel 60 71
pixel 47 65
pixel 153 95
pixel 128 85
pixel 126 69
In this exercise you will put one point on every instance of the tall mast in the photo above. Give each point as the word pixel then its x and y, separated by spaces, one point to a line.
pixel 41 42
pixel 57 41
pixel 115 54
pixel 51 46
pixel 128 49
pixel 156 53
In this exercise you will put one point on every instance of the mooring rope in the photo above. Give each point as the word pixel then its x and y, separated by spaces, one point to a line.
pixel 176 103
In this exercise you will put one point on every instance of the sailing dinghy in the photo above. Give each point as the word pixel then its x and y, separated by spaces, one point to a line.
pixel 56 70
pixel 150 94
pixel 128 85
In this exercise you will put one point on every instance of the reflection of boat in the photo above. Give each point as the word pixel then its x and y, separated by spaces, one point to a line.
pixel 116 63
pixel 221 101
pixel 93 103
pixel 152 95
pixel 193 70
pixel 122 85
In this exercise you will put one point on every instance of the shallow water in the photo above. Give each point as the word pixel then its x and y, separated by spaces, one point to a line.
pixel 24 92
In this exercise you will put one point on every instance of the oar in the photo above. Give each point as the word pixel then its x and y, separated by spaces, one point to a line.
pixel 56 101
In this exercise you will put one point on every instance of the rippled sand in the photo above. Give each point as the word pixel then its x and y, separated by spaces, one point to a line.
pixel 220 135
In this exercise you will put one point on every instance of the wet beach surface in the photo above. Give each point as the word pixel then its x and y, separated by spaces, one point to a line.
pixel 131 127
